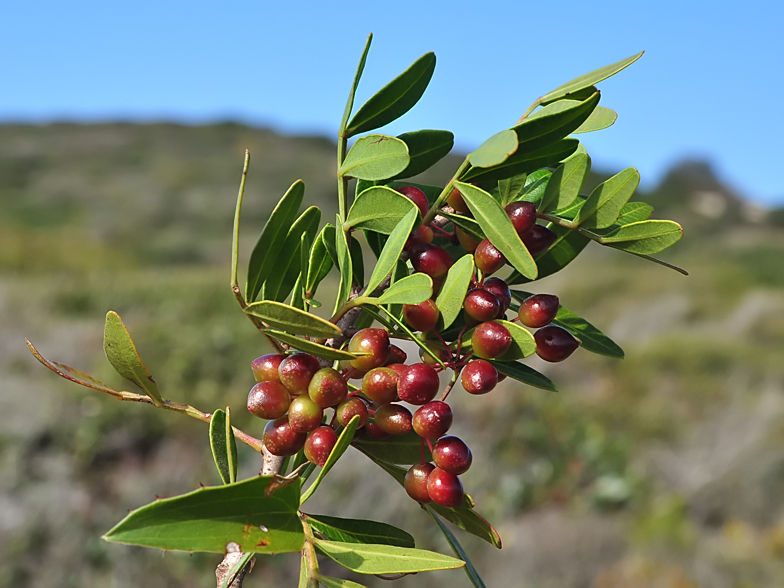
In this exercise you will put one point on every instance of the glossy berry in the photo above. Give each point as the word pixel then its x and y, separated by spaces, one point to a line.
pixel 481 305
pixel 297 370
pixel 418 384
pixel 554 344
pixel 487 258
pixel 268 400
pixel 320 444
pixel 349 408
pixel 418 197
pixel 452 455
pixel 420 235
pixel 466 241
pixel 522 215
pixel 456 201
pixel 265 368
pixel 380 385
pixel 327 388
pixel 444 488
pixel 479 377
pixel 394 419
pixel 490 340
pixel 423 316
pixel 372 342
pixel 430 259
pixel 538 239
pixel 304 414
pixel 415 482
pixel 396 355
pixel 498 288
pixel 280 439
pixel 432 420
pixel 538 310
pixel 398 368
pixel 375 431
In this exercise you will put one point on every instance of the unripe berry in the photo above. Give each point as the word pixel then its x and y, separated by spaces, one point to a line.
pixel 538 239
pixel 452 455
pixel 554 344
pixel 350 407
pixel 418 384
pixel 268 400
pixel 444 488
pixel 430 259
pixel 522 215
pixel 481 305
pixel 372 342
pixel 432 420
pixel 538 310
pixel 394 419
pixel 265 368
pixel 423 316
pixel 487 258
pixel 422 234
pixel 418 197
pixel 304 414
pixel 490 340
pixel 297 370
pixel 438 348
pixel 415 482
pixel 466 241
pixel 380 385
pixel 456 201
pixel 498 288
pixel 280 439
pixel 327 388
pixel 320 444
pixel 479 377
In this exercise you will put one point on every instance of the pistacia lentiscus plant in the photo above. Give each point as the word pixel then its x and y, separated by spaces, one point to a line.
pixel 516 204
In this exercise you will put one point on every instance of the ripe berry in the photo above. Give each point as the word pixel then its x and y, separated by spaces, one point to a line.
pixel 538 239
pixel 280 439
pixel 265 368
pixel 423 316
pixel 327 388
pixel 372 342
pixel 481 305
pixel 394 419
pixel 417 196
pixel 466 241
pixel 297 370
pixel 422 234
pixel 418 384
pixel 304 414
pixel 432 420
pixel 498 288
pixel 444 488
pixel 554 343
pixel 438 348
pixel 490 340
pixel 398 368
pixel 396 355
pixel 415 482
pixel 522 215
pixel 479 377
pixel 456 201
pixel 350 407
pixel 452 455
pixel 268 400
pixel 380 385
pixel 488 259
pixel 430 259
pixel 320 444
pixel 375 431
pixel 538 310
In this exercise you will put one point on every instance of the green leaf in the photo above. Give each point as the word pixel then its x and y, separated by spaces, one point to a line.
pixel 385 559
pixel 645 237
pixel 608 198
pixel 209 518
pixel 359 531
pixel 510 188
pixel 525 374
pixel 589 79
pixel 400 449
pixel 223 445
pixel 535 185
pixel 524 162
pixel 399 273
pixel 413 289
pixel 553 122
pixel 392 250
pixel 375 157
pixel 568 245
pixel 292 320
pixel 591 338
pixel 309 346
pixel 601 118
pixel 499 229
pixel 125 359
pixel 452 295
pixel 425 148
pixel 468 224
pixel 263 258
pixel 379 209
pixel 565 183
pixel 319 262
pixel 344 440
pixel 350 101
pixel 396 98
pixel 345 266
pixel 470 570
pixel 280 282
pixel 495 150
pixel 376 241
pixel 328 582
pixel 304 573
pixel 523 343
pixel 357 262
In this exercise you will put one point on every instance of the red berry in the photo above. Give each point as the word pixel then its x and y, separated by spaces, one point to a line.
pixel 349 408
pixel 452 455
pixel 375 431
pixel 320 444
pixel 479 377
pixel 304 414
pixel 481 305
pixel 430 259
pixel 374 344
pixel 554 343
pixel 327 388
pixel 418 197
pixel 491 340
pixel 538 239
pixel 398 368
pixel 488 259
pixel 297 370
pixel 432 420
pixel 265 368
pixel 444 488
pixel 538 310
pixel 415 482
pixel 396 355
pixel 422 234
pixel 522 215
pixel 498 288
pixel 268 400
pixel 280 439
pixel 394 419
pixel 423 316
pixel 418 384
pixel 380 385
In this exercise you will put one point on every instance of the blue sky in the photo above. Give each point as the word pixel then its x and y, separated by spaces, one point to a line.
pixel 710 85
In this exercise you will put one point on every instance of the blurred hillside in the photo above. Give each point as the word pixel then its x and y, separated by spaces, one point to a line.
pixel 662 470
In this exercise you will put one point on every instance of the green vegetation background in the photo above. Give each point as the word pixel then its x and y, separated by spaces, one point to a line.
pixel 665 469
